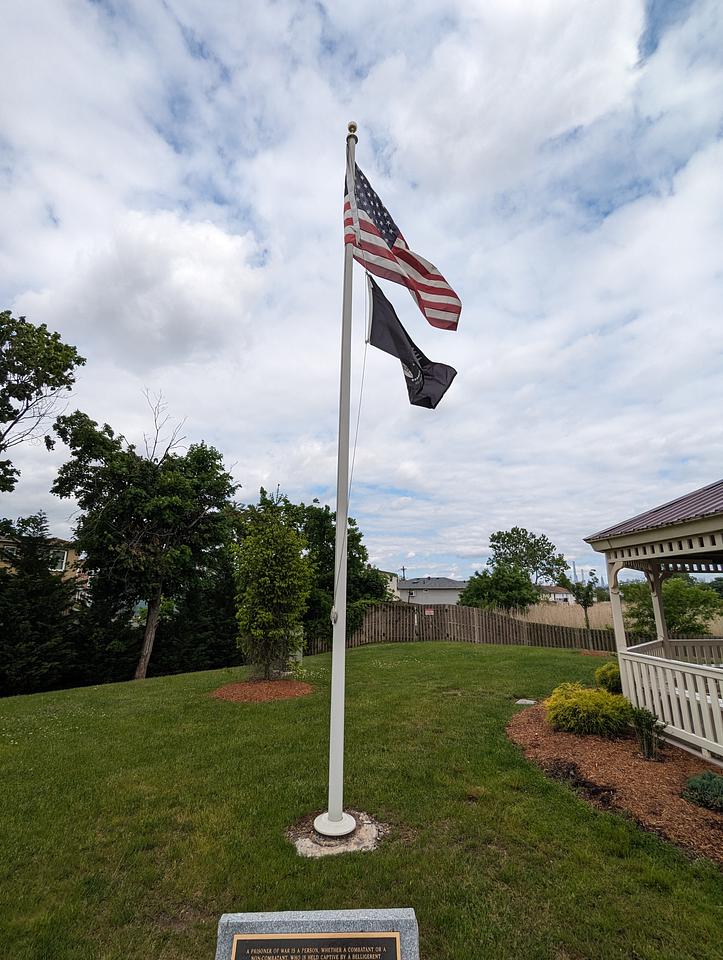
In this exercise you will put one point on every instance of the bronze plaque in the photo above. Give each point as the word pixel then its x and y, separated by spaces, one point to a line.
pixel 316 946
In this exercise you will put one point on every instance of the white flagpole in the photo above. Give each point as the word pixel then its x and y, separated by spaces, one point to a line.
pixel 336 823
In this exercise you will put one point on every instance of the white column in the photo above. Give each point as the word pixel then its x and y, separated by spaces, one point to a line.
pixel 616 605
pixel 336 823
pixel 655 582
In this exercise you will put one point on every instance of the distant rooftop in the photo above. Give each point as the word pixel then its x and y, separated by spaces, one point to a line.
pixel 546 588
pixel 432 583
pixel 705 502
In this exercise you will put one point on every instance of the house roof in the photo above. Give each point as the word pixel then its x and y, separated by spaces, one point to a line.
pixel 55 541
pixel 432 583
pixel 546 588
pixel 705 502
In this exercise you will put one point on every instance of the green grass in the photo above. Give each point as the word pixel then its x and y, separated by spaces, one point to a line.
pixel 133 815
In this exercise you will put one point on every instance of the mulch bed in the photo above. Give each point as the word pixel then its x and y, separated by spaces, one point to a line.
pixel 261 691
pixel 597 653
pixel 612 774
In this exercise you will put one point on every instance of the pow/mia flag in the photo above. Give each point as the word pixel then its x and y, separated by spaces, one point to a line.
pixel 427 382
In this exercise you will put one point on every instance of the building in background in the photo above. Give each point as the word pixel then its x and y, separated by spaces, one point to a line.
pixel 392 583
pixel 63 557
pixel 431 590
pixel 556 594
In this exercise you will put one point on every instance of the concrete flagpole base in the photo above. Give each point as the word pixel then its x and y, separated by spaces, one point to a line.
pixel 334 828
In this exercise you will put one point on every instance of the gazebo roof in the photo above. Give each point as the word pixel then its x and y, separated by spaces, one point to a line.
pixel 704 502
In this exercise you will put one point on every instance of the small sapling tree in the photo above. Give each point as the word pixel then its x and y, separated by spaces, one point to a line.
pixel 584 593
pixel 274 579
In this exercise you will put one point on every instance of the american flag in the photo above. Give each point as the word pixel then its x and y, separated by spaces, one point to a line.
pixel 381 248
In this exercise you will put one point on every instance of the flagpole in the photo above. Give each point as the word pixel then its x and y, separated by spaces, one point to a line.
pixel 336 823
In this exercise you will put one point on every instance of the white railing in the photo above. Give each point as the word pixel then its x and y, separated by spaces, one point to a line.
pixel 707 651
pixel 687 696
pixel 654 648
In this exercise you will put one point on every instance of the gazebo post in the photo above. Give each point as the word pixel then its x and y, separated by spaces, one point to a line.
pixel 616 605
pixel 655 581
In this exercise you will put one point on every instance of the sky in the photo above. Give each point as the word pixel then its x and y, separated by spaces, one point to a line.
pixel 172 179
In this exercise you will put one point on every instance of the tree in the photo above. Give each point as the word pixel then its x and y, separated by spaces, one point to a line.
pixel 317 525
pixel 364 583
pixel 689 606
pixel 148 522
pixel 201 631
pixel 584 593
pixel 274 579
pixel 36 367
pixel 38 623
pixel 505 587
pixel 531 552
pixel 717 584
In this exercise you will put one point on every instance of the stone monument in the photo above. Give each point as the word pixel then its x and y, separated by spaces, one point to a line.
pixel 319 935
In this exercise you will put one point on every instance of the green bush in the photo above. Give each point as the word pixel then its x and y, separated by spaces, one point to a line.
pixel 706 790
pixel 577 709
pixel 648 730
pixel 608 677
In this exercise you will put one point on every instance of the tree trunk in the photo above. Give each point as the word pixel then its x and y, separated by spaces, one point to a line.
pixel 149 635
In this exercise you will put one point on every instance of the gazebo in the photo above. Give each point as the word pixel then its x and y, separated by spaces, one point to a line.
pixel 681 681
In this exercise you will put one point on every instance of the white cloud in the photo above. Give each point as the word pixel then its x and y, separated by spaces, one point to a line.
pixel 180 223
pixel 158 291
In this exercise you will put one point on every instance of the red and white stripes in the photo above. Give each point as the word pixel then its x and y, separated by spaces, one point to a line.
pixel 435 298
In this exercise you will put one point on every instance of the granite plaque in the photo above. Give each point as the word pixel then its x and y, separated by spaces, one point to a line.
pixel 318 946
pixel 319 935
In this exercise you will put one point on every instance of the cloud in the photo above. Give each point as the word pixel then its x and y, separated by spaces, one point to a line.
pixel 157 292
pixel 559 161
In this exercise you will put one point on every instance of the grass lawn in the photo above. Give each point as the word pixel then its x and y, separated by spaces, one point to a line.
pixel 133 815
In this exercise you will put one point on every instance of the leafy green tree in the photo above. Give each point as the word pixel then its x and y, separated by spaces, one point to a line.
pixel 505 587
pixel 365 584
pixel 36 367
pixel 148 522
pixel 689 607
pixel 717 585
pixel 38 621
pixel 274 578
pixel 584 593
pixel 201 631
pixel 534 553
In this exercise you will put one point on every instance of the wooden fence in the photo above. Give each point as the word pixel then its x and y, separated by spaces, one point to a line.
pixel 407 622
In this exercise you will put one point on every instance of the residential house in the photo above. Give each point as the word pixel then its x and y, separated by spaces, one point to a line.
pixel 64 556
pixel 431 590
pixel 392 583
pixel 556 594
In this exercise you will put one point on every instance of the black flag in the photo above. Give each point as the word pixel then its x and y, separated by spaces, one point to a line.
pixel 427 382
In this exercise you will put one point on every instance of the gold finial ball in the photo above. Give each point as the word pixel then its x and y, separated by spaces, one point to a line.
pixel 352 126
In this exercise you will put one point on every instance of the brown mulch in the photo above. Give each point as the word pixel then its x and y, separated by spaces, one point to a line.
pixel 597 653
pixel 613 775
pixel 261 691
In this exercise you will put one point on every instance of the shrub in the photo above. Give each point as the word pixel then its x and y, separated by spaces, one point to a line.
pixel 577 709
pixel 706 790
pixel 608 677
pixel 648 730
